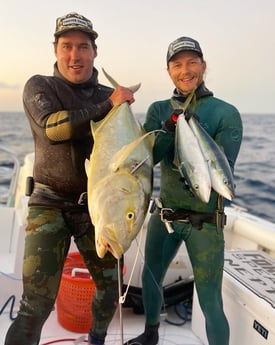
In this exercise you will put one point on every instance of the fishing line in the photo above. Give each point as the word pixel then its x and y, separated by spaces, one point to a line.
pixel 120 304
pixel 182 309
pixel 76 341
pixel 139 252
pixel 122 298
pixel 139 165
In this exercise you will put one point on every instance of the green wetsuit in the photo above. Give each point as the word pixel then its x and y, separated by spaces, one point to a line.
pixel 59 113
pixel 205 246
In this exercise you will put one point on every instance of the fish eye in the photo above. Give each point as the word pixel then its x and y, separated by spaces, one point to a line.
pixel 130 215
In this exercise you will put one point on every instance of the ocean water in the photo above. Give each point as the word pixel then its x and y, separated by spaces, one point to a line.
pixel 254 169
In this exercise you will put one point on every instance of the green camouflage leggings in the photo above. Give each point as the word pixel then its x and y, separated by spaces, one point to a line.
pixel 206 252
pixel 48 237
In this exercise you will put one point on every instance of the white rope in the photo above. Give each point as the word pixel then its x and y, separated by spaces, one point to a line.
pixel 120 305
pixel 122 298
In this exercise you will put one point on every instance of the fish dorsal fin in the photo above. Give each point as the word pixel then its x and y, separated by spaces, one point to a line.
pixel 185 105
pixel 115 84
pixel 121 155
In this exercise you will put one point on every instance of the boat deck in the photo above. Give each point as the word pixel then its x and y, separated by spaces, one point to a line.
pixel 243 231
pixel 133 325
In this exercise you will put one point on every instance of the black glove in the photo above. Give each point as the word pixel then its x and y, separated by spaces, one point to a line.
pixel 170 124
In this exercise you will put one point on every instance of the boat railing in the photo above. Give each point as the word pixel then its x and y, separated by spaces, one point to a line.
pixel 10 196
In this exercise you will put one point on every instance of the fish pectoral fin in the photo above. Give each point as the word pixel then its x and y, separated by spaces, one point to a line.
pixel 121 155
pixel 153 137
pixel 115 84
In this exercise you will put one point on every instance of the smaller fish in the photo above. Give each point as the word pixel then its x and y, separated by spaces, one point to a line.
pixel 222 179
pixel 190 161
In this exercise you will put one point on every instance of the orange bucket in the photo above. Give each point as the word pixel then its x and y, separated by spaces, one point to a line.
pixel 75 295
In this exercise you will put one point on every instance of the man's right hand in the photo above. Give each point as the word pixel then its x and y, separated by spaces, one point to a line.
pixel 122 94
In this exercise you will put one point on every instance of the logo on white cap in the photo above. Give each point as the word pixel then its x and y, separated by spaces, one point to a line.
pixel 74 21
pixel 184 44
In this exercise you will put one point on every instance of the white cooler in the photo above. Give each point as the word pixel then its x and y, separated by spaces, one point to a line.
pixel 248 297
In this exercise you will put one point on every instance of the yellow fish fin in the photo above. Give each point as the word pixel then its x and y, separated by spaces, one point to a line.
pixel 115 84
pixel 121 155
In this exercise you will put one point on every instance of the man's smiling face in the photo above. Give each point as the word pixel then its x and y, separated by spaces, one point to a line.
pixel 75 56
pixel 186 69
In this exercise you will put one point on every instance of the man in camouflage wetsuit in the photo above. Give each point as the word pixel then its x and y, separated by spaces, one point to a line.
pixel 202 235
pixel 59 109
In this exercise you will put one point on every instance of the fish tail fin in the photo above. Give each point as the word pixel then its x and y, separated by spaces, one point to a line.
pixel 115 84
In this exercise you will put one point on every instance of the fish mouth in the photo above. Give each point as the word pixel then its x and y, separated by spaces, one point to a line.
pixel 104 245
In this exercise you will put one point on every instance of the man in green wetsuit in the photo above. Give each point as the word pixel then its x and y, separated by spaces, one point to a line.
pixel 204 238
pixel 59 109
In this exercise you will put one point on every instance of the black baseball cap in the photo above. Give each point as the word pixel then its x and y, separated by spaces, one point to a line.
pixel 183 44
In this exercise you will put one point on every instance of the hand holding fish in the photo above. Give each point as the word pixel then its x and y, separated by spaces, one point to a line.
pixel 170 124
pixel 122 94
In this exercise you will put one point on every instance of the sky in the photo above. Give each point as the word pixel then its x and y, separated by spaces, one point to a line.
pixel 237 39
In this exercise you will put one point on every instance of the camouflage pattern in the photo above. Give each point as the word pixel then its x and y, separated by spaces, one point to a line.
pixel 48 236
pixel 74 21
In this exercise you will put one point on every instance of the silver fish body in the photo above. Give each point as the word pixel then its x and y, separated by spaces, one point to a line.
pixel 222 180
pixel 119 174
pixel 190 161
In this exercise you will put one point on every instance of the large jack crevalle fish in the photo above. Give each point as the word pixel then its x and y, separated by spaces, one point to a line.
pixel 222 179
pixel 120 173
pixel 190 161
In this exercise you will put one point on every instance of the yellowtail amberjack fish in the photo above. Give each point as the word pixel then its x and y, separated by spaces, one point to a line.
pixel 200 160
pixel 190 161
pixel 120 174
pixel 221 176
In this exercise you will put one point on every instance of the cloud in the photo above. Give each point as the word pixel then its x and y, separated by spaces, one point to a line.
pixel 4 85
